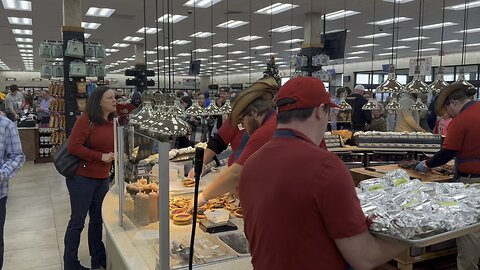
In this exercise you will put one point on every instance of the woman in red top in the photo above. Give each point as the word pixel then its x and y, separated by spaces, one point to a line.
pixel 89 186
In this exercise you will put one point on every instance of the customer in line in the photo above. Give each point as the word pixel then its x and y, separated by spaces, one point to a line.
pixel 44 108
pixel 201 125
pixel 361 119
pixel 462 143
pixel 11 160
pixel 92 141
pixel 320 211
pixel 408 120
pixel 14 102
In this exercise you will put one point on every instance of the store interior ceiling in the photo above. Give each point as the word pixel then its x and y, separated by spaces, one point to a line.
pixel 44 22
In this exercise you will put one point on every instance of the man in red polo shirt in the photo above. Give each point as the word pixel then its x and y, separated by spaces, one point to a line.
pixel 462 143
pixel 299 202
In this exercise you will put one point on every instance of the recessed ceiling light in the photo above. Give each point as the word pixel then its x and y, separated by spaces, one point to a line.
pixel 391 21
pixel 25 51
pixel 202 34
pixel 151 52
pixel 426 50
pixel 249 38
pixel 111 50
pixel 472 45
pixel 437 25
pixel 149 30
pixel 120 45
pixel 337 30
pixel 365 45
pixel 384 54
pixel 202 59
pixel 90 26
pixel 222 45
pixel 100 12
pixel 87 35
pixel 256 61
pixel 293 50
pixel 217 56
pixel 17 5
pixel 262 47
pixel 27 40
pixel 246 57
pixel 201 3
pixel 358 52
pixel 275 9
pixel 163 48
pixel 295 40
pixel 446 42
pixel 31 58
pixel 180 42
pixel 171 58
pixel 22 32
pixel 25 45
pixel 20 21
pixel 183 54
pixel 171 18
pixel 129 59
pixel 462 6
pixel 237 52
pixel 132 39
pixel 413 38
pixel 378 35
pixel 122 61
pixel 285 28
pixel 472 30
pixel 397 47
pixel 232 24
pixel 340 14
pixel 268 54
pixel 201 50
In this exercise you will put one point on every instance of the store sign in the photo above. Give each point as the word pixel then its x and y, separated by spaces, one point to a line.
pixel 425 66
pixel 10 79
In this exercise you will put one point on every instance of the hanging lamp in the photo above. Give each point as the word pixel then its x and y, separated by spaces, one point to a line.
pixel 440 82
pixel 213 109
pixel 461 79
pixel 344 106
pixel 371 105
pixel 419 106
pixel 226 108
pixel 393 105
pixel 391 85
pixel 195 110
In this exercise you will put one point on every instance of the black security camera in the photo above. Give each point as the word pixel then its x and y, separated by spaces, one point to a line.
pixel 189 12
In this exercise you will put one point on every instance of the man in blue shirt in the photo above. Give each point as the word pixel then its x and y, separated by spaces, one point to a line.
pixel 11 160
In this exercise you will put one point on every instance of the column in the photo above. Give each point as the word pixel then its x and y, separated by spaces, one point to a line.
pixel 312 44
pixel 204 83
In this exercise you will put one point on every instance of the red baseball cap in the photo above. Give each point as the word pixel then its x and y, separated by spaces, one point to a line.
pixel 302 93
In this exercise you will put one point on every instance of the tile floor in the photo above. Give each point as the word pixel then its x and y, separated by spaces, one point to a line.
pixel 38 210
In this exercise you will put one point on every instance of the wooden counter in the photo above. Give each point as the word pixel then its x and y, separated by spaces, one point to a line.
pixel 360 174
pixel 29 138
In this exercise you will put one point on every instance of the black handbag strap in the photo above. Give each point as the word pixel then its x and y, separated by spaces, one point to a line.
pixel 90 129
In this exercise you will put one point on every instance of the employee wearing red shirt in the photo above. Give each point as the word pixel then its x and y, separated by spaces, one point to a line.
pixel 90 185
pixel 253 109
pixel 299 202
pixel 462 143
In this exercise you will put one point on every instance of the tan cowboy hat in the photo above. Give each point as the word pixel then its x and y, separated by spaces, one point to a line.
pixel 263 88
pixel 447 91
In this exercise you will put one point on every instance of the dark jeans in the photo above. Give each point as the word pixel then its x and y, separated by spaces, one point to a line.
pixel 86 195
pixel 3 213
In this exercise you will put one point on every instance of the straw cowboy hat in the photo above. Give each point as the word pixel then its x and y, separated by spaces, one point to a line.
pixel 263 88
pixel 447 91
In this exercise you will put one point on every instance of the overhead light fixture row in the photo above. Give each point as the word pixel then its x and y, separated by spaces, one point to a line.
pixel 149 30
pixel 391 21
pixel 437 25
pixel 275 9
pixel 132 39
pixel 20 21
pixel 100 12
pixel 446 42
pixel 171 18
pixel 262 47
pixel 249 38
pixel 17 5
pixel 293 50
pixel 471 4
pixel 29 46
pixel 232 24
pixel 237 52
pixel 22 32
pixel 201 3
pixel 26 40
pixel 413 38
pixel 285 28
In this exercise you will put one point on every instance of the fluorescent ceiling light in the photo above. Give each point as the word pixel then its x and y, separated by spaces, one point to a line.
pixel 473 45
pixel 249 38
pixel 26 54
pixel 295 40
pixel 275 9
pixel 31 58
pixel 391 21
pixel 427 50
pixel 446 42
pixel 90 26
pixel 246 57
pixel 163 48
pixel 285 28
pixel 120 45
pixel 151 52
pixel 262 47
pixel 20 21
pixel 398 1
pixel 202 34
pixel 237 52
pixel 217 56
pixel 222 45
pixel 132 39
pixel 183 54
pixel 201 50
pixel 365 45
pixel 378 35
pixel 473 30
pixel 437 25
pixel 202 59
pixel 201 3
pixel 122 61
pixel 129 59
pixel 268 54
pixel 25 45
pixel 27 40
pixel 100 12
pixel 17 5
pixel 293 50
pixel 22 32
pixel 111 50
pixel 358 52
pixel 171 18
pixel 340 14
pixel 413 38
pixel 87 35
pixel 472 4
pixel 232 24
pixel 256 61
pixel 149 30
pixel 384 54
pixel 25 51
pixel 180 42
pixel 353 57
pixel 397 47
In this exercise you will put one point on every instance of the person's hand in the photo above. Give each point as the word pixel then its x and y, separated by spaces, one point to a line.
pixel 191 173
pixel 108 157
pixel 201 202
pixel 422 167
